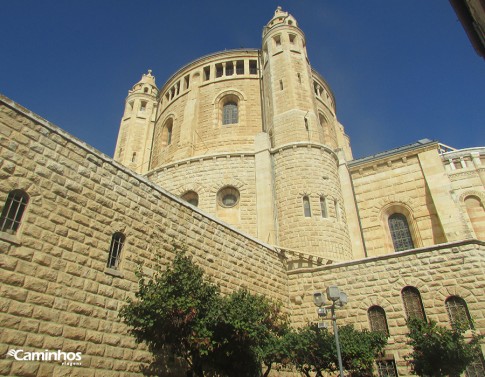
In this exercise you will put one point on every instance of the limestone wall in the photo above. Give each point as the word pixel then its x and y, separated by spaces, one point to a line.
pixel 206 176
pixel 310 171
pixel 56 292
pixel 395 184
pixel 193 99
pixel 437 272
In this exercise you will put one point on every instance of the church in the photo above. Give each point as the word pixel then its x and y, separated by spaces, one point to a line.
pixel 239 156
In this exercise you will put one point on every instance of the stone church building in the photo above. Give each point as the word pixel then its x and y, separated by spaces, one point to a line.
pixel 241 157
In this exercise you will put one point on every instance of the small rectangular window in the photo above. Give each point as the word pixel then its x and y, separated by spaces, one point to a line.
pixel 277 40
pixel 229 69
pixel 219 70
pixel 323 206
pixel 240 67
pixel 292 38
pixel 115 248
pixel 253 67
pixel 306 207
pixel 281 84
pixel 143 106
pixel 207 73
pixel 13 211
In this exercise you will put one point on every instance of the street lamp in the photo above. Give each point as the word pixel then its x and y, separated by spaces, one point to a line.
pixel 336 297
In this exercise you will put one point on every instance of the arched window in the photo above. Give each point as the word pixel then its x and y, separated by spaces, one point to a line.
pixel 476 214
pixel 377 319
pixel 323 206
pixel 167 132
pixel 13 211
pixel 229 113
pixel 413 305
pixel 400 233
pixel 192 197
pixel 306 207
pixel 458 312
pixel 115 248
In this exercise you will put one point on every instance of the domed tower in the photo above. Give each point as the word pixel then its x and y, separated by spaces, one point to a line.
pixel 136 128
pixel 299 116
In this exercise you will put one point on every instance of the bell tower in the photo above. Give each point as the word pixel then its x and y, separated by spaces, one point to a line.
pixel 309 204
pixel 136 129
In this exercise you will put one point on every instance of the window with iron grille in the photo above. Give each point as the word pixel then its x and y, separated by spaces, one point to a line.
pixel 377 319
pixel 458 312
pixel 117 242
pixel 229 113
pixel 386 368
pixel 400 233
pixel 13 211
pixel 413 305
pixel 476 368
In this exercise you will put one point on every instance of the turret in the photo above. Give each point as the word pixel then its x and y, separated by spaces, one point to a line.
pixel 136 129
pixel 300 121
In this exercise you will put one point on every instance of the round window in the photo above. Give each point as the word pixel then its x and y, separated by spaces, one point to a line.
pixel 228 197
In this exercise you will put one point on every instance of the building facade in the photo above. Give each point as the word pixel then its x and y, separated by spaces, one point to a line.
pixel 241 157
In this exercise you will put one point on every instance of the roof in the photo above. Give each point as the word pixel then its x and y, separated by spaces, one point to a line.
pixel 390 152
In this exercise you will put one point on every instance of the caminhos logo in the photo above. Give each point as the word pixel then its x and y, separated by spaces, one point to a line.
pixel 67 358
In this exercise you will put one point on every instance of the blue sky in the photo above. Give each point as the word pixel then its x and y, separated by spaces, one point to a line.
pixel 400 70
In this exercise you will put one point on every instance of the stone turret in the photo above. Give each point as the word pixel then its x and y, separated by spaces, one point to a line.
pixel 136 129
pixel 308 196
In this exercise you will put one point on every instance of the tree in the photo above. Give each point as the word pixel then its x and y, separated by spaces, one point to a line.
pixel 439 351
pixel 360 349
pixel 175 310
pixel 314 350
pixel 181 311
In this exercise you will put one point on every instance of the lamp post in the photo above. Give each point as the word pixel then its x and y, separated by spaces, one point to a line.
pixel 336 297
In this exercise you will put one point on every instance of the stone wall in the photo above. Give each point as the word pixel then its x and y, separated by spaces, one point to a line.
pixel 437 272
pixel 56 292
pixel 395 184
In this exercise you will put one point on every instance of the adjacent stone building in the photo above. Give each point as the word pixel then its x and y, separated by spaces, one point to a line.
pixel 239 156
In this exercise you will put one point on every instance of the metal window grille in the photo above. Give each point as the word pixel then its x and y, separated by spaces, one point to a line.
pixel 229 115
pixel 476 368
pixel 386 368
pixel 413 304
pixel 117 242
pixel 13 211
pixel 458 312
pixel 401 236
pixel 306 207
pixel 377 319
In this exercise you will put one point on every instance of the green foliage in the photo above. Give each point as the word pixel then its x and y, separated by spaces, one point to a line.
pixel 175 309
pixel 314 350
pixel 180 311
pixel 439 351
pixel 359 350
